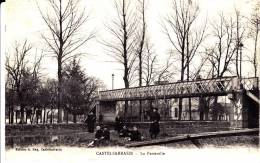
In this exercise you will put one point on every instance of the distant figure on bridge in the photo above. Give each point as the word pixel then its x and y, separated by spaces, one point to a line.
pixel 91 122
pixel 119 123
pixel 199 88
pixel 154 126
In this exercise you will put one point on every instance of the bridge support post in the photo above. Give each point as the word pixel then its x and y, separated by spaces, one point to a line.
pixel 245 111
pixel 235 115
pixel 251 109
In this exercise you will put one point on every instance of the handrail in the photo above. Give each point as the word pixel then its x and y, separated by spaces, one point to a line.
pixel 197 88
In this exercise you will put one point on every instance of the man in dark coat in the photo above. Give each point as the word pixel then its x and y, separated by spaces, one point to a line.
pixel 100 118
pixel 118 123
pixel 91 122
pixel 154 126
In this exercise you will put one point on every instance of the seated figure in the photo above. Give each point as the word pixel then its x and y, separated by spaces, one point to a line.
pixel 106 134
pixel 124 132
pixel 135 135
pixel 99 136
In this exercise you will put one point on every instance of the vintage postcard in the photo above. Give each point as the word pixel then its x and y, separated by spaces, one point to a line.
pixel 128 80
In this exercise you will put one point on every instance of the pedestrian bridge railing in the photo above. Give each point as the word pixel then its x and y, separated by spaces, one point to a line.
pixel 205 87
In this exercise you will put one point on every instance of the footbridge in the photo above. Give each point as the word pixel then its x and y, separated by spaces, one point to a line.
pixel 242 92
pixel 199 88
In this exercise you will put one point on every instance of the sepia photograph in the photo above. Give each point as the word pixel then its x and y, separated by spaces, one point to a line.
pixel 122 80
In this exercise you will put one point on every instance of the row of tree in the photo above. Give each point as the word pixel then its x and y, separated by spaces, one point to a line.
pixel 130 45
pixel 31 96
pixel 221 54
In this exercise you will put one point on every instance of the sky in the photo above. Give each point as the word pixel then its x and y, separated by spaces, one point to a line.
pixel 23 21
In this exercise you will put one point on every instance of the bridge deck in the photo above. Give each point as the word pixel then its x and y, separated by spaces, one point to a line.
pixel 198 88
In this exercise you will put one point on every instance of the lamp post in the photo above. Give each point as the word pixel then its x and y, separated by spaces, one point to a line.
pixel 240 46
pixel 113 76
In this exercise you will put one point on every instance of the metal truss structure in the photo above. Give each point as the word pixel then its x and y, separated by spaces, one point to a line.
pixel 184 89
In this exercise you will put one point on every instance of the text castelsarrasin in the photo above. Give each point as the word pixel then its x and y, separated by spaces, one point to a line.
pixel 115 153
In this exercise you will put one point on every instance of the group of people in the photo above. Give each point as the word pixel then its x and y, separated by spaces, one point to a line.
pixel 102 134
pixel 130 135
pixel 154 125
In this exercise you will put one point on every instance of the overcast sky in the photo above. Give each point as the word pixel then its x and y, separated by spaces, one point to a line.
pixel 23 21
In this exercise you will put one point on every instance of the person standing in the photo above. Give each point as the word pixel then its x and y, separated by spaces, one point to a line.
pixel 91 122
pixel 118 123
pixel 100 118
pixel 154 126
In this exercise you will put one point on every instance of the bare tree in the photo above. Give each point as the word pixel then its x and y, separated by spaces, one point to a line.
pixel 222 53
pixel 149 65
pixel 165 72
pixel 194 39
pixel 23 78
pixel 221 56
pixel 64 20
pixel 178 26
pixel 141 35
pixel 122 45
pixel 15 69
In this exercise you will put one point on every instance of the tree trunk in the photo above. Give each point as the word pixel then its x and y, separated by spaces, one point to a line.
pixel 12 115
pixel 32 116
pixel 16 115
pixel 190 117
pixel 22 114
pixel 9 115
pixel 26 117
pixel 59 90
pixel 188 77
pixel 180 99
pixel 44 115
pixel 51 119
pixel 141 111
pixel 61 44
pixel 126 110
pixel 67 116
pixel 74 118
pixel 215 110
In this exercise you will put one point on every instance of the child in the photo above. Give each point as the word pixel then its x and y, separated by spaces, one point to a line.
pixel 98 137
pixel 124 132
pixel 135 135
